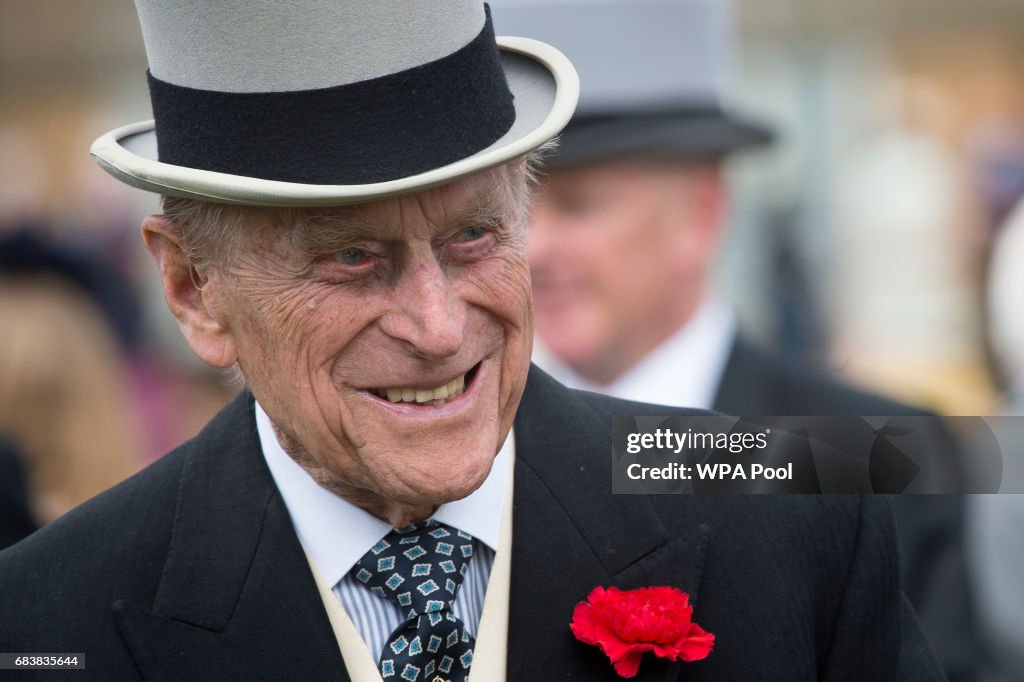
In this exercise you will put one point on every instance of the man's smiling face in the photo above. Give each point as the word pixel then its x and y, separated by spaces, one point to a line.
pixel 389 343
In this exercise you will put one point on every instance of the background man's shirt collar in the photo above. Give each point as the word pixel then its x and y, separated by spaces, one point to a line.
pixel 685 370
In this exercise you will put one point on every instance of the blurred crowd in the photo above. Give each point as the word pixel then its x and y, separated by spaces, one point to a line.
pixel 862 255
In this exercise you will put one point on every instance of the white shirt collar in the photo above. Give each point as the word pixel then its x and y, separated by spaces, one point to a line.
pixel 336 533
pixel 685 370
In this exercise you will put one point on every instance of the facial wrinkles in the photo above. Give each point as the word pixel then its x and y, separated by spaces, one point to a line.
pixel 316 337
pixel 461 280
pixel 432 293
pixel 332 415
pixel 514 391
pixel 273 301
pixel 499 272
pixel 276 298
pixel 322 473
pixel 326 231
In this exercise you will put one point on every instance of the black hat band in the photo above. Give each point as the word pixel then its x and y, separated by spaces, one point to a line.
pixel 371 131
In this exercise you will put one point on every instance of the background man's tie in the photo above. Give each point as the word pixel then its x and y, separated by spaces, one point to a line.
pixel 420 568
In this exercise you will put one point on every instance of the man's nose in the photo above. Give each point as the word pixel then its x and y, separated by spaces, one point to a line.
pixel 428 315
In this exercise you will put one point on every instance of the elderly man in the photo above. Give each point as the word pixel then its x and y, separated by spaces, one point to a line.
pixel 397 495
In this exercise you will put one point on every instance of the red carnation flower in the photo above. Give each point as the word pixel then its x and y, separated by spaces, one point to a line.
pixel 625 624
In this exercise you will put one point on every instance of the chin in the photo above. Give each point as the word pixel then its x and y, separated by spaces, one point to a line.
pixel 434 497
pixel 572 351
pixel 432 479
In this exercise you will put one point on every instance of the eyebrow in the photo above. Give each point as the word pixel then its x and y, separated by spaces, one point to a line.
pixel 333 229
pixel 327 231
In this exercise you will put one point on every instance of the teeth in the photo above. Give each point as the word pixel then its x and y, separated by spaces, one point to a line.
pixel 433 396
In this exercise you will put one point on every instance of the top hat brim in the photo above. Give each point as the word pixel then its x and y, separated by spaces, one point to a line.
pixel 543 83
pixel 674 133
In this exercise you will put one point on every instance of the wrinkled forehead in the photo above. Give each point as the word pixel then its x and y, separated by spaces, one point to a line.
pixel 481 196
pixel 487 197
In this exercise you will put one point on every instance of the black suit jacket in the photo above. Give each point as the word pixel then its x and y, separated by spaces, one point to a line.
pixel 192 570
pixel 930 526
pixel 755 383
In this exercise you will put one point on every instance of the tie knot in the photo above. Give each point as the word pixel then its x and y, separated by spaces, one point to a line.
pixel 420 566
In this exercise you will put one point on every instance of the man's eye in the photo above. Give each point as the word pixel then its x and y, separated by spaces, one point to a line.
pixel 351 257
pixel 471 234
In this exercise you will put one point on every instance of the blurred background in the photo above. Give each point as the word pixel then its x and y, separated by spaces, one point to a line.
pixel 70 71
pixel 861 241
pixel 70 246
pixel 901 155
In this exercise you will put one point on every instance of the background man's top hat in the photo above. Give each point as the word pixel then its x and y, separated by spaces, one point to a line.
pixel 652 75
pixel 321 102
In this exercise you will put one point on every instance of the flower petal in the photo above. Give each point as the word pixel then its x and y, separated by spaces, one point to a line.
pixel 614 647
pixel 697 645
pixel 628 665
pixel 583 625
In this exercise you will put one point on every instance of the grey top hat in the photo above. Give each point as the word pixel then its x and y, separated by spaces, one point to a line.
pixel 652 75
pixel 321 102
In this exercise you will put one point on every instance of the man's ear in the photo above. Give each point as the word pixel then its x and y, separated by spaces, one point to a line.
pixel 700 204
pixel 709 198
pixel 189 296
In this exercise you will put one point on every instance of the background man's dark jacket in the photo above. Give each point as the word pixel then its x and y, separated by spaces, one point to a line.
pixel 934 568
pixel 192 570
pixel 756 383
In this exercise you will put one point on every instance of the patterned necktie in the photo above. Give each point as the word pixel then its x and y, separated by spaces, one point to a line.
pixel 420 567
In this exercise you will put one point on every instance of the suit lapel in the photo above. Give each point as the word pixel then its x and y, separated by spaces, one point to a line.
pixel 236 598
pixel 736 385
pixel 570 534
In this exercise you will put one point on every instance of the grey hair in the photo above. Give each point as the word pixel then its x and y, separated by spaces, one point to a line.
pixel 212 233
pixel 209 231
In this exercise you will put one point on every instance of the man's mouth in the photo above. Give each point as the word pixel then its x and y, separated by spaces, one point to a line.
pixel 438 395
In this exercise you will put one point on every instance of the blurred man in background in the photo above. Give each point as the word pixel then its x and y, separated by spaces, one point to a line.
pixel 624 239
